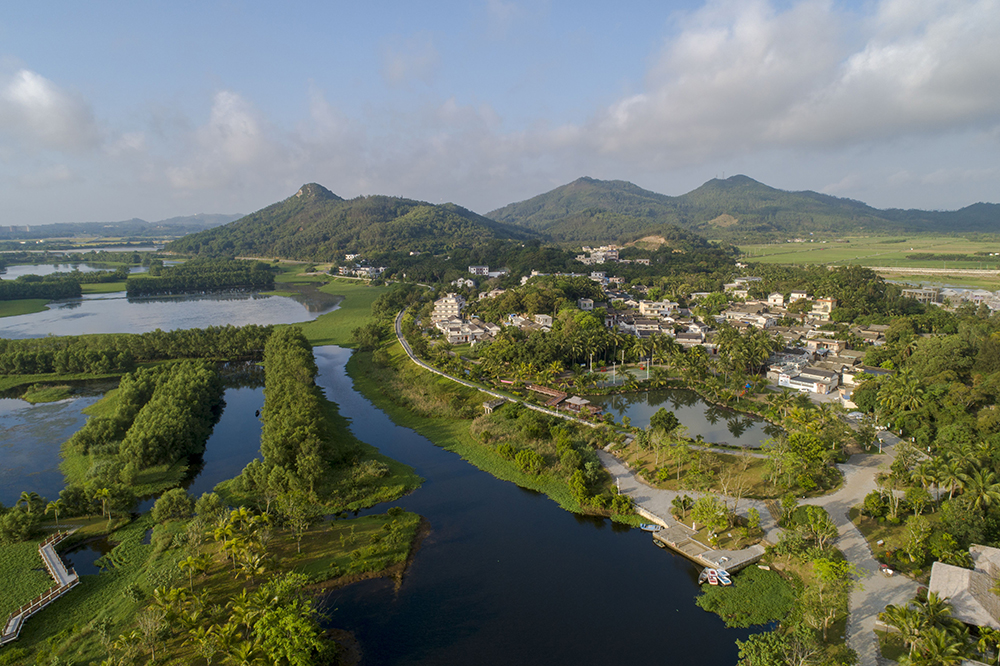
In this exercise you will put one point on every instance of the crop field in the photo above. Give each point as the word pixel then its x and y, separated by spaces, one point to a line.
pixel 889 251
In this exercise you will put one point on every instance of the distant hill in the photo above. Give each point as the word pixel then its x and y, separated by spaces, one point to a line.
pixel 315 224
pixel 134 228
pixel 733 209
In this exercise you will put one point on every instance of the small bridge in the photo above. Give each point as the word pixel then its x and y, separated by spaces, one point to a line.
pixel 65 580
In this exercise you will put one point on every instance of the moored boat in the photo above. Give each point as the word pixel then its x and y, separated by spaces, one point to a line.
pixel 650 527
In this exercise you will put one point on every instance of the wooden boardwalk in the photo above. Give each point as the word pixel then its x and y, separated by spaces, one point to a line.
pixel 65 580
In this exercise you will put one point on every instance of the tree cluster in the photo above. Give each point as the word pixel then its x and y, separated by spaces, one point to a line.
pixel 203 275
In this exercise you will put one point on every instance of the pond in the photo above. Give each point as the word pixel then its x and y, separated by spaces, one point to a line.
pixel 507 577
pixel 83 558
pixel 116 313
pixel 717 425
pixel 14 272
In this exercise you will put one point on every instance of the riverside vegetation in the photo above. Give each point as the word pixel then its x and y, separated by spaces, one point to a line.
pixel 256 556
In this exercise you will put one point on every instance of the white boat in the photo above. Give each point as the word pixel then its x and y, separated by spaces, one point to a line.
pixel 650 527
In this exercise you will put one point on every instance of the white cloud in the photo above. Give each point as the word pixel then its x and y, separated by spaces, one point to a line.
pixel 413 58
pixel 232 146
pixel 36 114
pixel 743 76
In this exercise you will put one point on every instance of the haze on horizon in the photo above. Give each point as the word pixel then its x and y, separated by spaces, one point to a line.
pixel 117 110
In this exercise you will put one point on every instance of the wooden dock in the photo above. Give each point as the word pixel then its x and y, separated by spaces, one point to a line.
pixel 65 580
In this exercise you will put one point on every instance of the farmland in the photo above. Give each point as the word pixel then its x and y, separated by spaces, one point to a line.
pixel 893 252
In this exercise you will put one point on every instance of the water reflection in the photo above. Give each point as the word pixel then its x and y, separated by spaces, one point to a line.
pixel 115 313
pixel 712 423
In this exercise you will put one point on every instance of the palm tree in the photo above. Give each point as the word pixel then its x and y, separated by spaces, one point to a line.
pixel 937 647
pixel 55 507
pixel 906 619
pixel 29 500
pixel 982 489
pixel 195 565
pixel 953 476
pixel 104 495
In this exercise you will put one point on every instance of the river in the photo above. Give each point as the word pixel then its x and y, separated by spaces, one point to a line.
pixel 505 576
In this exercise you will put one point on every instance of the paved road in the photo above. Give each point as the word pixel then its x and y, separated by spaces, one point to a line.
pixel 876 591
pixel 658 501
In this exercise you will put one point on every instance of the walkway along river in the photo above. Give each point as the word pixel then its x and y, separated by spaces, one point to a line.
pixel 506 576
pixel 868 599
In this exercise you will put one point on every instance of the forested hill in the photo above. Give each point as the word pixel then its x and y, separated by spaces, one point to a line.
pixel 315 224
pixel 734 209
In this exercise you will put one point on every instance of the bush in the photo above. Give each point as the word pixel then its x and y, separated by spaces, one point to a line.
pixel 529 461
pixel 175 504
pixel 17 525
pixel 757 597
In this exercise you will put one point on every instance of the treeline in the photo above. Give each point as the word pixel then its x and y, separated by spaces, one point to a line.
pixel 294 434
pixel 49 287
pixel 163 414
pixel 104 354
pixel 931 256
pixel 200 275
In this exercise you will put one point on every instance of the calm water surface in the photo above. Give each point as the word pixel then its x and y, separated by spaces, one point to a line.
pixel 14 272
pixel 115 313
pixel 30 439
pixel 507 577
pixel 715 424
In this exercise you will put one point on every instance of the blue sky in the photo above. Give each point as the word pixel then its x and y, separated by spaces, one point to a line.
pixel 112 110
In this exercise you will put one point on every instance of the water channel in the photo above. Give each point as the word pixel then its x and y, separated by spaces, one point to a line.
pixel 717 425
pixel 505 575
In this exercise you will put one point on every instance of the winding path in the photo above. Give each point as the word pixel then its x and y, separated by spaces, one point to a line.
pixel 876 590
pixel 867 600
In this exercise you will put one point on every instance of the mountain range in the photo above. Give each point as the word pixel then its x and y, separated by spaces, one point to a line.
pixel 735 209
pixel 315 224
pixel 134 228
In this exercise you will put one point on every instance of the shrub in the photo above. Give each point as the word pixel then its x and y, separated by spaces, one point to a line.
pixel 175 504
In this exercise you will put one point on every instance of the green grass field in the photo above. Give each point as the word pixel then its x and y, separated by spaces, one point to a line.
pixel 22 576
pixel 875 251
pixel 102 287
pixel 334 328
pixel 23 306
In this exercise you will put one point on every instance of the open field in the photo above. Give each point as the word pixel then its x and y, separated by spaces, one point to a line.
pixel 23 306
pixel 335 328
pixel 875 251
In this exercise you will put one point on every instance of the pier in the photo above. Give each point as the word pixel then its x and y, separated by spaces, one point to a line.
pixel 65 580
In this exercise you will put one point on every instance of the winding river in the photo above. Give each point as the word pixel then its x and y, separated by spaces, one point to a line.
pixel 504 577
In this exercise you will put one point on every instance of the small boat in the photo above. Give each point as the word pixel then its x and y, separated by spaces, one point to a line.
pixel 650 527
pixel 723 577
pixel 713 577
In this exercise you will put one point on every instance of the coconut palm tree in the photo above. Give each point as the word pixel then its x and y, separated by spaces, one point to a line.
pixel 982 489
pixel 55 507
pixel 29 499
pixel 937 647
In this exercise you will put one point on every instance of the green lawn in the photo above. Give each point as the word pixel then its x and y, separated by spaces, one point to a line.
pixel 23 306
pixel 102 287
pixel 334 328
pixel 22 576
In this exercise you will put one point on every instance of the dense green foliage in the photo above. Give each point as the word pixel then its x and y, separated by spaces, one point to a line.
pixel 294 434
pixel 315 224
pixel 52 287
pixel 735 208
pixel 103 354
pixel 201 275
pixel 163 414
pixel 756 597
